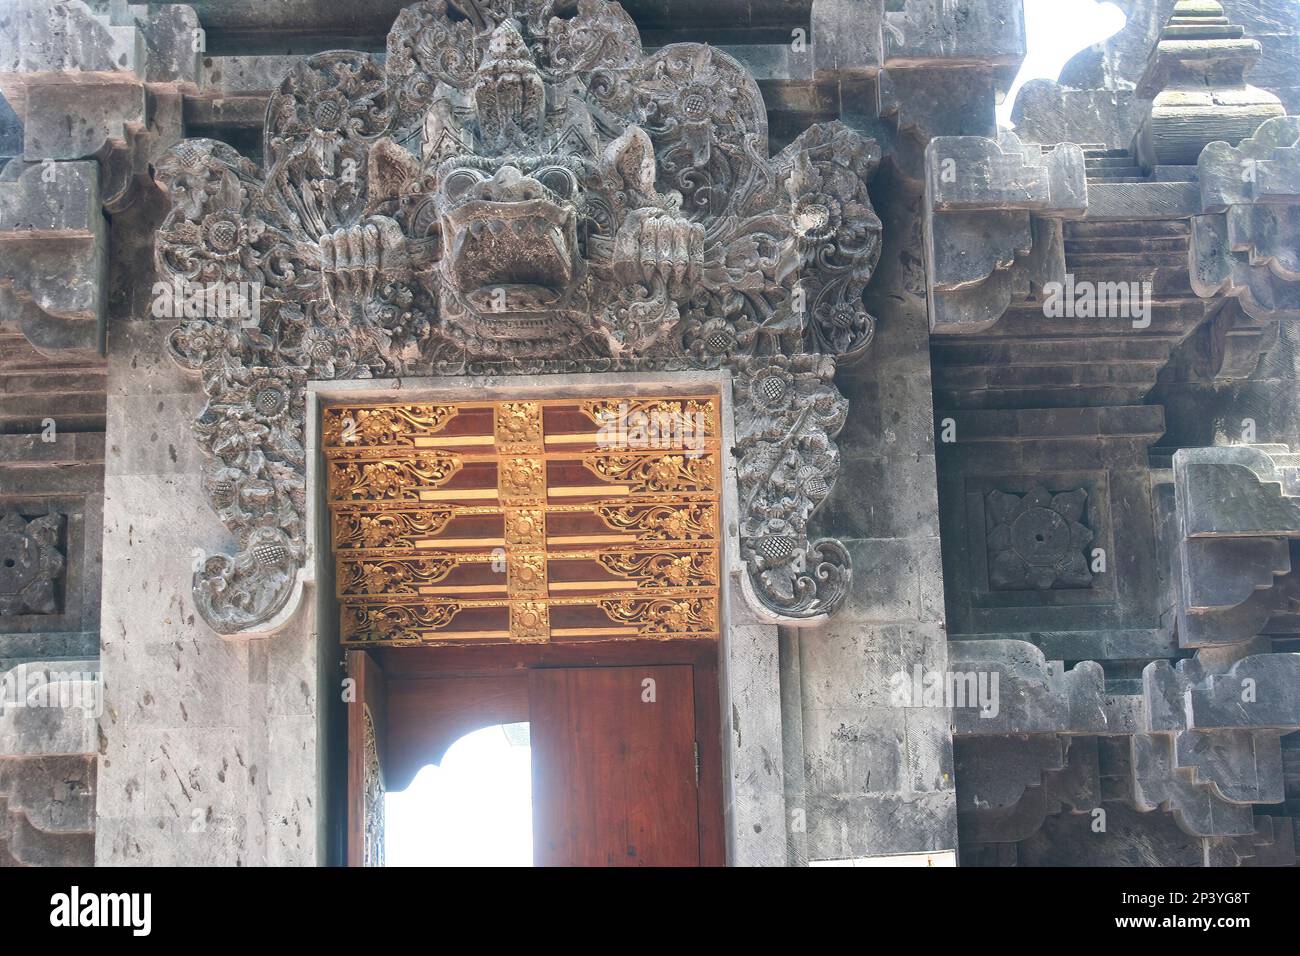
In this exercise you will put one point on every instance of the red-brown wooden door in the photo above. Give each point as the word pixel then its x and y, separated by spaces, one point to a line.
pixel 614 766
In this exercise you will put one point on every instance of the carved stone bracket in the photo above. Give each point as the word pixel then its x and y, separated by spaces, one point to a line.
pixel 1238 510
pixel 1247 242
pixel 992 224
pixel 53 256
pixel 1203 739
pixel 1212 743
pixel 1007 786
pixel 91 85
pixel 96 94
pixel 521 192
pixel 1034 695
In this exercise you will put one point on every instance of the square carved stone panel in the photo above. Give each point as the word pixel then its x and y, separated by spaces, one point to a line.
pixel 1039 539
pixel 32 563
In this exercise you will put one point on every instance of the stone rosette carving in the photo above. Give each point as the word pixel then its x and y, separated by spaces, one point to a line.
pixel 31 564
pixel 1038 539
pixel 515 189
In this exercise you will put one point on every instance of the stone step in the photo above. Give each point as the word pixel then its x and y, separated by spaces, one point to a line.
pixel 71 411
pixel 1110 162
pixel 1150 259
pixel 1119 179
pixel 1127 244
pixel 1128 230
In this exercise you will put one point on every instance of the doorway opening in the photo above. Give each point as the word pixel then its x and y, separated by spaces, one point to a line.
pixel 549 561
pixel 608 754
pixel 472 809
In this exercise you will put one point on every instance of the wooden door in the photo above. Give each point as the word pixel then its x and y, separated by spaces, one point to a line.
pixel 615 771
pixel 367 707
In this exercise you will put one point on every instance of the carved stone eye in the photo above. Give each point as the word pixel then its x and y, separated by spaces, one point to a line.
pixel 558 180
pixel 460 182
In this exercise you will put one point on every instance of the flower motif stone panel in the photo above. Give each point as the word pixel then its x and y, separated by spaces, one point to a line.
pixel 1037 539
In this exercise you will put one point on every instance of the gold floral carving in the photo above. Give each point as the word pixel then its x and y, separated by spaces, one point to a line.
pixel 659 569
pixel 530 622
pixel 382 425
pixel 391 478
pixel 393 575
pixel 659 521
pixel 526 574
pixel 658 617
pixel 518 424
pixel 521 479
pixel 395 624
pixel 656 473
pixel 519 548
pixel 388 529
pixel 525 527
pixel 655 423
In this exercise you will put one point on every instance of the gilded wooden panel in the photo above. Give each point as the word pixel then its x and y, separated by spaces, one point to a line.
pixel 526 521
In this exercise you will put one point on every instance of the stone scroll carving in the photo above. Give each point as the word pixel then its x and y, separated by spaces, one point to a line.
pixel 519 188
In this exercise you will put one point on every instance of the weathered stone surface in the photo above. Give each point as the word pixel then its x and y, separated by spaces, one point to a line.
pixel 68 42
pixel 52 274
pixel 1196 83
pixel 923 32
pixel 848 37
pixel 1007 786
pixel 990 233
pixel 1099 451
pixel 1237 512
pixel 1244 244
pixel 1034 695
pixel 47 811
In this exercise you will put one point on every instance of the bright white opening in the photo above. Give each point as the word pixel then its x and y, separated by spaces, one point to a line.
pixel 474 809
pixel 1055 30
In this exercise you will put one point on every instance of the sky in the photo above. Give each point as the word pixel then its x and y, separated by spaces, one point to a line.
pixel 1055 30
pixel 475 808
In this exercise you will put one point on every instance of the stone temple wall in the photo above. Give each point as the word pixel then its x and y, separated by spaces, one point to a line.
pixel 1098 510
